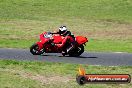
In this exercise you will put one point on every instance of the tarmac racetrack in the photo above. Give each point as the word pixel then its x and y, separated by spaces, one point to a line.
pixel 90 58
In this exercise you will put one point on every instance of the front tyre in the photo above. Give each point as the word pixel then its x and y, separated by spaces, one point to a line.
pixel 34 49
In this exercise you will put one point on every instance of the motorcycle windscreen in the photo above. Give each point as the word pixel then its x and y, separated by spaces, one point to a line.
pixel 57 39
pixel 81 39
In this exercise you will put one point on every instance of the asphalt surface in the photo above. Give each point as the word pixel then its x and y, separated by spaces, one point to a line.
pixel 90 58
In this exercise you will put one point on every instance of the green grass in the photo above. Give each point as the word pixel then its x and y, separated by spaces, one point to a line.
pixel 109 22
pixel 31 74
pixel 101 45
pixel 110 45
pixel 39 9
pixel 13 43
pixel 10 80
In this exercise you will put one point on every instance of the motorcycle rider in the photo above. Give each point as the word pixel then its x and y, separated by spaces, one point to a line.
pixel 68 36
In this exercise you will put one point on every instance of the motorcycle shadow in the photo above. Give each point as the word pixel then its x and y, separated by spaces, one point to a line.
pixel 79 57
pixel 86 57
pixel 68 56
pixel 49 55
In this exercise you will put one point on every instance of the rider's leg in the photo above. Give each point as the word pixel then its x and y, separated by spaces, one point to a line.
pixel 67 44
pixel 72 44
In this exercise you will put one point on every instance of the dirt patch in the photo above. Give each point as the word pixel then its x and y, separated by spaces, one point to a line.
pixel 47 80
pixel 41 78
pixel 119 31
pixel 103 29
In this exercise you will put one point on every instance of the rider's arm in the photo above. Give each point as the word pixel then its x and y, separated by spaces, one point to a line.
pixel 55 33
pixel 70 34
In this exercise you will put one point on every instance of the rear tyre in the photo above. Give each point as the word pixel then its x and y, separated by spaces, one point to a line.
pixel 34 50
pixel 77 51
pixel 80 49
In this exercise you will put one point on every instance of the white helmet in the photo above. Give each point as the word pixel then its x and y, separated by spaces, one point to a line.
pixel 62 29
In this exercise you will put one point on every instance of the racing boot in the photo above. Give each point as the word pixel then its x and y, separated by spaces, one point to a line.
pixel 70 48
pixel 64 52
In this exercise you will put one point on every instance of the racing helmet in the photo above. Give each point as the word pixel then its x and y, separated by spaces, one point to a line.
pixel 62 29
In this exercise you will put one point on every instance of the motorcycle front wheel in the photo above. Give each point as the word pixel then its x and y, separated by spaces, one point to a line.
pixel 34 50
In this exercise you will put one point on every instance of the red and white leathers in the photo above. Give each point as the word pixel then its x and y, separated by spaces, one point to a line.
pixel 66 39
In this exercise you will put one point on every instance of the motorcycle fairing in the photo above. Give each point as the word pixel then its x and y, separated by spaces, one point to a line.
pixel 57 39
pixel 81 40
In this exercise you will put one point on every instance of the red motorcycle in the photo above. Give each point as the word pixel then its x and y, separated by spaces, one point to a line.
pixel 49 41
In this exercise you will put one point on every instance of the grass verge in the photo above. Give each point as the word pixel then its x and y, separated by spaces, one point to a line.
pixel 34 74
pixel 92 45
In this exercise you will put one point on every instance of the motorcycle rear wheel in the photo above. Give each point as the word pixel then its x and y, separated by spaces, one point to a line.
pixel 77 51
pixel 34 50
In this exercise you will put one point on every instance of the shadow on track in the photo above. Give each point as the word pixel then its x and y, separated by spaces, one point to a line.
pixel 49 55
pixel 78 57
pixel 70 56
pixel 85 57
